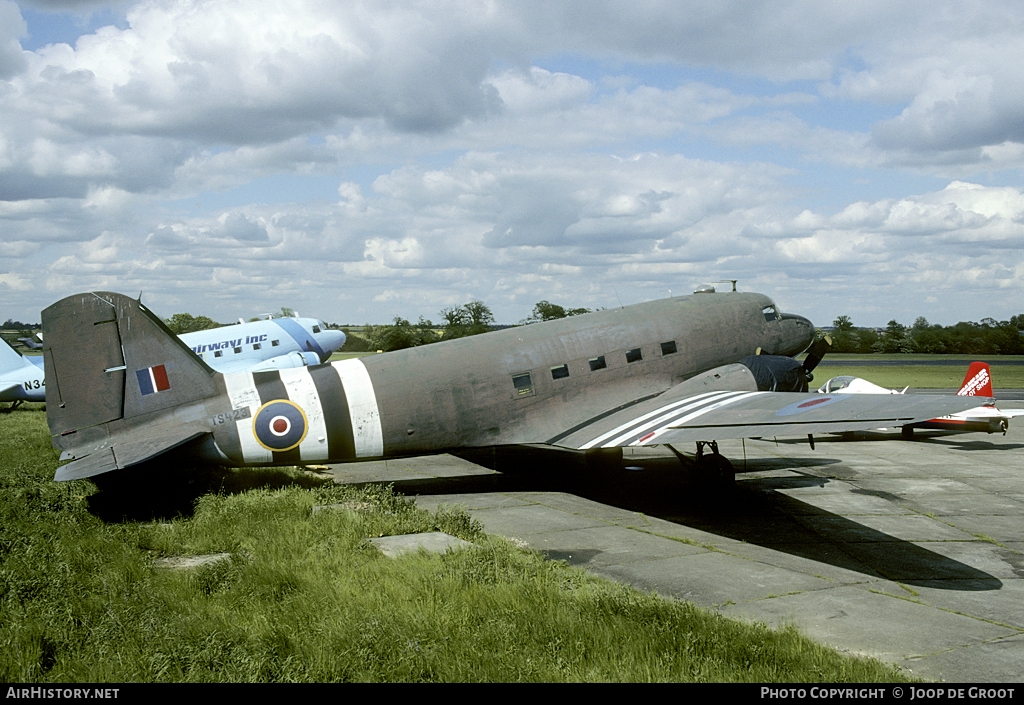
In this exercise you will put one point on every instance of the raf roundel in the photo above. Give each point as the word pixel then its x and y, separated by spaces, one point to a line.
pixel 279 425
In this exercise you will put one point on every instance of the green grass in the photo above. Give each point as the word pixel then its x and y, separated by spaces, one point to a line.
pixel 920 376
pixel 335 357
pixel 305 597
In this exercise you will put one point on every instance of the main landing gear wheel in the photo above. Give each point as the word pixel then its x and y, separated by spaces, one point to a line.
pixel 713 469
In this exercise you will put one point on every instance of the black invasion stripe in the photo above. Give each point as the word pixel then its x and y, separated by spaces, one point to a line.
pixel 271 388
pixel 595 419
pixel 341 443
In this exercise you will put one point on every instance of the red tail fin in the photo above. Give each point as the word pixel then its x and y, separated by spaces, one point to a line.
pixel 978 382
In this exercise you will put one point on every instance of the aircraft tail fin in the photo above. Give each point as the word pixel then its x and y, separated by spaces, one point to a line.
pixel 112 367
pixel 978 382
pixel 10 359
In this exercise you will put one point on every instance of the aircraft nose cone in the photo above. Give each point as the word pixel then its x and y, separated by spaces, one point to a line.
pixel 798 333
pixel 333 340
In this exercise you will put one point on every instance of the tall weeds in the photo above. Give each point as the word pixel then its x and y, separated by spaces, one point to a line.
pixel 305 597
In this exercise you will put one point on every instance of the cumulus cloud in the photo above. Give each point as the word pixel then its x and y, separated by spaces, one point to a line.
pixel 12 29
pixel 385 157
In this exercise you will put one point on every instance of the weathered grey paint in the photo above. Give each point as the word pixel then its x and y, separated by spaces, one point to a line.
pixel 126 390
pixel 461 393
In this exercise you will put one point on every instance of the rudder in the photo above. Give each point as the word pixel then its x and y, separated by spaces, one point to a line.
pixel 977 382
pixel 108 361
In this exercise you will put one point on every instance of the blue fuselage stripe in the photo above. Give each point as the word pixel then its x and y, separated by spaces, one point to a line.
pixel 301 336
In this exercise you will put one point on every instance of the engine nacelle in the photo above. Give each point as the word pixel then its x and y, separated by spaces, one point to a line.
pixel 777 373
pixel 283 362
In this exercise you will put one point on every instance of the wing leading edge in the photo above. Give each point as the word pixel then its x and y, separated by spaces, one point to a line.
pixel 702 410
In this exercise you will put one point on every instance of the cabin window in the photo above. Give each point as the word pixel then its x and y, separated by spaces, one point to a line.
pixel 634 355
pixel 218 353
pixel 523 384
pixel 238 350
pixel 597 363
pixel 560 372
pixel 275 343
pixel 668 348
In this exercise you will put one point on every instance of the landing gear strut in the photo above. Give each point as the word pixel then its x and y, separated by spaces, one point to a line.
pixel 714 468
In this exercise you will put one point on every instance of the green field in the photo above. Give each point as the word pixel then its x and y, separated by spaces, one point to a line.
pixel 908 372
pixel 911 370
pixel 305 597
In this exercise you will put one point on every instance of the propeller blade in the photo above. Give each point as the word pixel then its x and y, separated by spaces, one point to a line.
pixel 816 352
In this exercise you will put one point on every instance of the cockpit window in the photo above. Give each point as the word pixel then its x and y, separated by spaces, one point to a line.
pixel 837 383
pixel 771 313
pixel 316 328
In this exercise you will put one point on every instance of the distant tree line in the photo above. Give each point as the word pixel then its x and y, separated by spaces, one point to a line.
pixel 187 323
pixel 547 311
pixel 472 318
pixel 18 325
pixel 989 337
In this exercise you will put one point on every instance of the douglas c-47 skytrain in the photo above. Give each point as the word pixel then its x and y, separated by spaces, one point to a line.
pixel 123 392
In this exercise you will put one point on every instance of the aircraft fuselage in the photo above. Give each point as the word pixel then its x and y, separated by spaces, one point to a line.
pixel 505 387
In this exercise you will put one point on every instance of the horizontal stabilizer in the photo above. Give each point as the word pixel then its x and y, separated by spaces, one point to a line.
pixel 124 455
pixel 95 464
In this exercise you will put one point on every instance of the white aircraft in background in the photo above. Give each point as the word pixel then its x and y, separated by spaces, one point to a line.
pixel 21 377
pixel 270 344
pixel 30 343
pixel 977 383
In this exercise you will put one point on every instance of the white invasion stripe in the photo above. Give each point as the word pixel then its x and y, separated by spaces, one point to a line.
pixel 707 404
pixel 243 393
pixel 302 391
pixel 653 440
pixel 671 416
pixel 632 423
pixel 362 407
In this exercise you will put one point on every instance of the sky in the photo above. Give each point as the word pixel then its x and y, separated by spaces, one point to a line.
pixel 370 159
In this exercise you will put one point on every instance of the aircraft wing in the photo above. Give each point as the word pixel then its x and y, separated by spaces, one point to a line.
pixel 280 362
pixel 718 415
